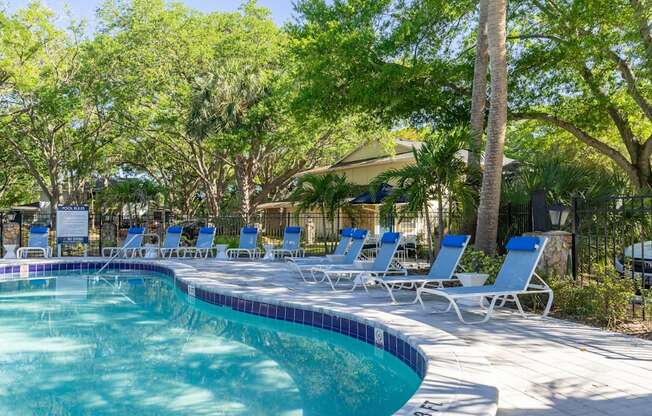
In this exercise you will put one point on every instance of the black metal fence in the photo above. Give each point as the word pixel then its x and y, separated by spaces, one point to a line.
pixel 614 231
pixel 617 230
pixel 320 233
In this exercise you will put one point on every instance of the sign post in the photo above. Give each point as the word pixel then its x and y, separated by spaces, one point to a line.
pixel 72 226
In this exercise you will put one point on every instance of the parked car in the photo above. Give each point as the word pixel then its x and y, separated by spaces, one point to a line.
pixel 637 258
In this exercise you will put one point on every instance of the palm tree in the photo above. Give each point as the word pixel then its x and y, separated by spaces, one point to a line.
pixel 327 193
pixel 487 224
pixel 437 170
pixel 478 109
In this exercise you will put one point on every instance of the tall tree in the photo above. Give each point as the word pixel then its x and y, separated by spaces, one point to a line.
pixel 478 110
pixel 585 71
pixel 56 101
pixel 488 209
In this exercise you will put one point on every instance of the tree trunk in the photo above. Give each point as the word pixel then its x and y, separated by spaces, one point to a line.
pixel 426 213
pixel 487 224
pixel 54 204
pixel 478 108
pixel 244 173
pixel 479 93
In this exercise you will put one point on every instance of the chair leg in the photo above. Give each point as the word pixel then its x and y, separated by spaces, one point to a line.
pixel 326 276
pixel 486 317
pixel 518 306
pixel 548 304
pixel 389 290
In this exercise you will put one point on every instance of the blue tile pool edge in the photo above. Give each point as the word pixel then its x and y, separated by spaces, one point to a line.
pixel 375 335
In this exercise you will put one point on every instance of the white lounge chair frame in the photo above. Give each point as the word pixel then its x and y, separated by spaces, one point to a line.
pixel 291 244
pixel 358 240
pixel 361 272
pixel 346 236
pixel 130 246
pixel 248 244
pixel 171 243
pixel 203 246
pixel 442 270
pixel 499 293
pixel 37 242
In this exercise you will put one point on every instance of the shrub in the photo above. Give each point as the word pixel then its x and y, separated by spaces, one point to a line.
pixel 232 242
pixel 474 261
pixel 603 297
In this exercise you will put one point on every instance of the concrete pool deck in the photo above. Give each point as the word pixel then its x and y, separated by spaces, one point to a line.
pixel 538 366
pixel 541 367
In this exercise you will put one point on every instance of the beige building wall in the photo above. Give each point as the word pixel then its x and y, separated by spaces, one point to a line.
pixel 363 175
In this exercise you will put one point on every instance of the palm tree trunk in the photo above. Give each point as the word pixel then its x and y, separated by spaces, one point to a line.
pixel 487 224
pixel 478 107
pixel 426 213
pixel 479 93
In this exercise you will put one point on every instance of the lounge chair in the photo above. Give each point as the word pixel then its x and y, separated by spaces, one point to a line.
pixel 171 242
pixel 340 251
pixel 442 269
pixel 291 244
pixel 204 244
pixel 130 246
pixel 513 279
pixel 361 271
pixel 38 242
pixel 358 238
pixel 248 244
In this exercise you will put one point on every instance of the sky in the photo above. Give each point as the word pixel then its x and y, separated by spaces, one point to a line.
pixel 85 9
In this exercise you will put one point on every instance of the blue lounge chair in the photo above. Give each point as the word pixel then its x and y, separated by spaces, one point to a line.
pixel 204 244
pixel 130 246
pixel 358 238
pixel 513 279
pixel 361 271
pixel 442 269
pixel 37 242
pixel 171 242
pixel 291 243
pixel 248 244
pixel 340 250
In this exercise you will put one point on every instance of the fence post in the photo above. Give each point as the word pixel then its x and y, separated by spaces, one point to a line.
pixel 101 247
pixel 2 233
pixel 574 237
pixel 20 228
pixel 509 216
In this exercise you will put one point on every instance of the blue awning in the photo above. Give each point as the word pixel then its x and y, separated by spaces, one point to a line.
pixel 383 192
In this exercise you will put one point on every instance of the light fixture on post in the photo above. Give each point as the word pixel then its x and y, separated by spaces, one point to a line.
pixel 558 215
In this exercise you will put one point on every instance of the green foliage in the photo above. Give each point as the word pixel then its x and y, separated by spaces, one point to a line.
pixel 476 261
pixel 562 179
pixel 133 193
pixel 437 174
pixel 327 193
pixel 387 58
pixel 56 103
pixel 603 298
pixel 232 242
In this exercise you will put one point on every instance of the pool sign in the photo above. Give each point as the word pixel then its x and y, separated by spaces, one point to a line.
pixel 72 224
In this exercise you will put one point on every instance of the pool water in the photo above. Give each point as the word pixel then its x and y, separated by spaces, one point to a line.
pixel 132 344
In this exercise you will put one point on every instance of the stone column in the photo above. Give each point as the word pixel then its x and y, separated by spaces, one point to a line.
pixel 556 257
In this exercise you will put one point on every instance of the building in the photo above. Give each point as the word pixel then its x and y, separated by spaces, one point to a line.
pixel 360 167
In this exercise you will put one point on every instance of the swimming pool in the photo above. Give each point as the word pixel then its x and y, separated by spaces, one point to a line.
pixel 131 343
